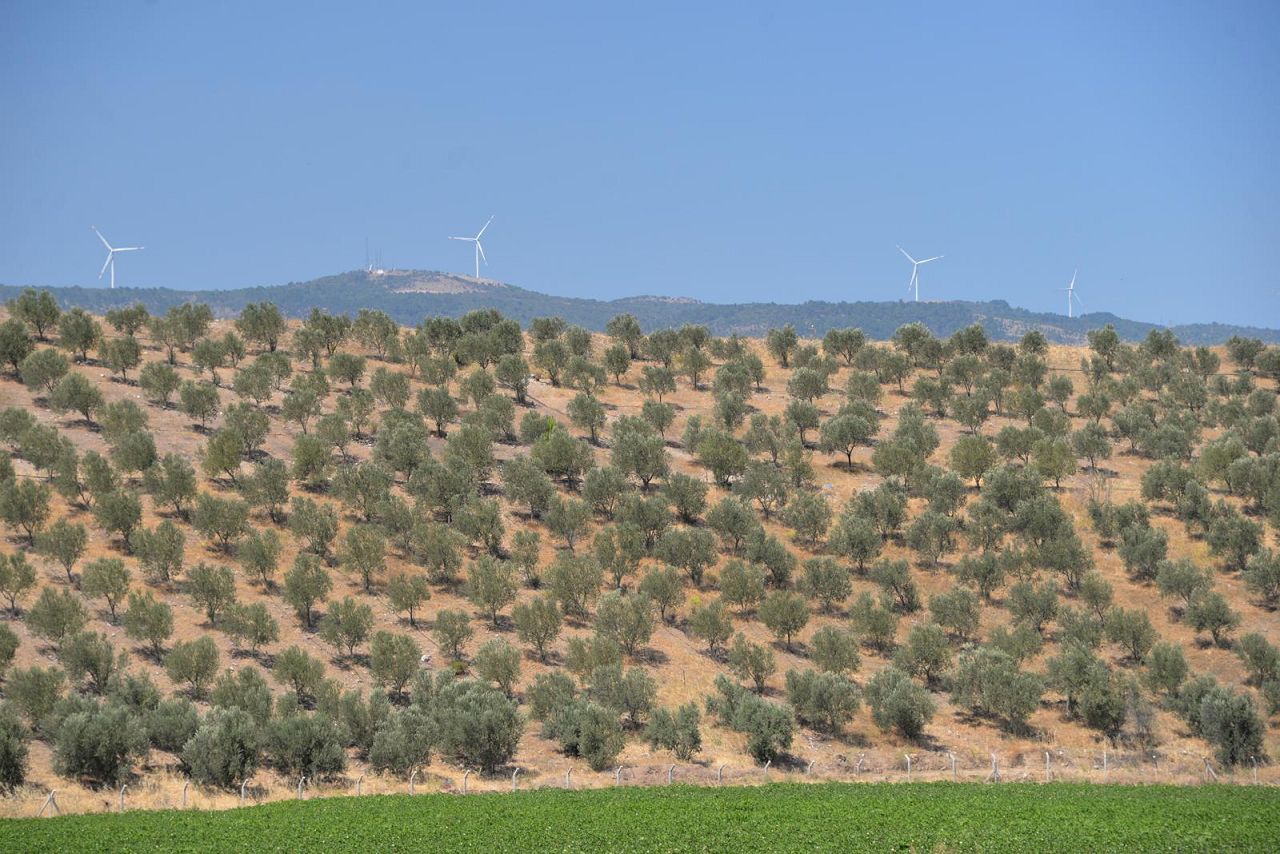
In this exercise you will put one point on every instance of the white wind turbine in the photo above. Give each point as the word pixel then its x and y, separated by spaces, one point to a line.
pixel 479 249
pixel 111 255
pixel 914 284
pixel 1072 296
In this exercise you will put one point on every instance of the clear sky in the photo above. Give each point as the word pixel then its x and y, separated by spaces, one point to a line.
pixel 725 151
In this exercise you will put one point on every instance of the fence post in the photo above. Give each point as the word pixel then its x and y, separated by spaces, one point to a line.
pixel 123 789
pixel 720 776
pixel 1254 760
pixel 1105 767
pixel 1047 774
pixel 952 756
pixel 568 779
pixel 809 770
pixel 907 756
pixel 766 768
pixel 301 782
pixel 243 783
pixel 995 769
pixel 185 786
pixel 858 768
pixel 514 774
pixel 50 801
pixel 617 776
pixel 360 786
pixel 465 775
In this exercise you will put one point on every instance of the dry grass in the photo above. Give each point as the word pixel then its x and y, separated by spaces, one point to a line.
pixel 684 670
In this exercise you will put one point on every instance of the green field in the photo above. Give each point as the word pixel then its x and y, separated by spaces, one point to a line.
pixel 783 817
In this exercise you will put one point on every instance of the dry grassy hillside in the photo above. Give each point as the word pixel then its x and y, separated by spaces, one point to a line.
pixel 1149 738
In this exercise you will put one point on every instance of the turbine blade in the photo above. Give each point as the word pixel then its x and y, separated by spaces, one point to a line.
pixel 934 258
pixel 106 263
pixel 128 248
pixel 904 252
pixel 462 238
pixel 486 225
pixel 100 237
pixel 480 249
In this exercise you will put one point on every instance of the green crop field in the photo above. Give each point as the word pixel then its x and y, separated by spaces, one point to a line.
pixel 784 817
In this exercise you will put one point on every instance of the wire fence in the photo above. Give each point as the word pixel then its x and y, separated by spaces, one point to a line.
pixel 922 766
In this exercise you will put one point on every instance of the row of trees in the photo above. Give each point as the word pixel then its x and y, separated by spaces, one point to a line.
pixel 643 510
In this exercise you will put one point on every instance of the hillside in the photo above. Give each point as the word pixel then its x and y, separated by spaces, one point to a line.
pixel 941 548
pixel 409 295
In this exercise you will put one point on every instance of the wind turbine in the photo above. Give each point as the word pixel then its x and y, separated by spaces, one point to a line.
pixel 479 249
pixel 111 255
pixel 1071 293
pixel 914 284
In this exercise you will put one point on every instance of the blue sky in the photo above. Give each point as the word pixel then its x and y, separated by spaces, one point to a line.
pixel 723 151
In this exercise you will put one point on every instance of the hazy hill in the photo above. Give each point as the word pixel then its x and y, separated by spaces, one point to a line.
pixel 409 295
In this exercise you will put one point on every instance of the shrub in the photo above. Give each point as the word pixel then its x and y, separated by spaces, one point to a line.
pixel 631 693
pixel 827 701
pixel 1167 668
pixel 751 661
pixel 305 744
pixel 225 750
pixel 538 623
pixel 768 726
pixel 476 725
pixel 212 588
pixel 55 615
pixel 988 680
pixel 549 693
pixel 243 689
pixel 295 668
pixel 194 662
pixel 627 620
pixel 1133 630
pixel 898 704
pixel 452 630
pixel 90 654
pixel 675 731
pixel 394 659
pixel 407 592
pixel 785 613
pixel 499 662
pixel 1209 612
pixel 99 743
pixel 834 650
pixel 591 731
pixel 347 625
pixel 1229 722
pixel 306 584
pixel 14 736
pixel 403 741
pixel 17 577
pixel 34 691
pixel 171 724
pixel 251 626
pixel 491 586
pixel 926 653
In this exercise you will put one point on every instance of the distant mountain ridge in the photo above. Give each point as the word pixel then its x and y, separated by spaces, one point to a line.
pixel 409 295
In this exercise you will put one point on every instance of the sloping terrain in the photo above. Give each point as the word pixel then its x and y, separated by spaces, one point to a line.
pixel 1047 611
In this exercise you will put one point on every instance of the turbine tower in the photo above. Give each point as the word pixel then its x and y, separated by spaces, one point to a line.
pixel 914 284
pixel 479 249
pixel 1072 296
pixel 111 255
